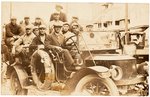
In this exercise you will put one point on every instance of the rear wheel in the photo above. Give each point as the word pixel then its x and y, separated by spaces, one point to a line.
pixel 16 88
pixel 94 85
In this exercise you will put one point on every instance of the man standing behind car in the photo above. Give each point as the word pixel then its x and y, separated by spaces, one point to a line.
pixel 13 32
pixel 38 22
pixel 62 17
pixel 25 23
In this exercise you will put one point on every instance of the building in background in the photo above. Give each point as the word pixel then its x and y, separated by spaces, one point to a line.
pixel 102 15
pixel 112 15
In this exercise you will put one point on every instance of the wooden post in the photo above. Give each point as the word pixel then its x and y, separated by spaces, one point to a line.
pixel 126 24
pixel 10 10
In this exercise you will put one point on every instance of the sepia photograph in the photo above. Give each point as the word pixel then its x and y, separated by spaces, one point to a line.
pixel 74 48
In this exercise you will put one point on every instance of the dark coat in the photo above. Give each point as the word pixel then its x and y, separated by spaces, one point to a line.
pixel 62 17
pixel 53 40
pixel 37 41
pixel 12 30
pixel 50 42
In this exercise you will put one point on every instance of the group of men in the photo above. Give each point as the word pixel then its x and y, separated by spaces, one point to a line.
pixel 26 37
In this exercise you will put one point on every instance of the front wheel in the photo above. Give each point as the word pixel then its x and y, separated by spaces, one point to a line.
pixel 16 88
pixel 94 85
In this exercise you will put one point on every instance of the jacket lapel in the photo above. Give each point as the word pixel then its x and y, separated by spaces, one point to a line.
pixel 55 39
pixel 41 40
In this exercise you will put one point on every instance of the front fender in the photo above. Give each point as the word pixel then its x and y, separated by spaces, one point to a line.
pixel 22 75
pixel 77 76
pixel 101 71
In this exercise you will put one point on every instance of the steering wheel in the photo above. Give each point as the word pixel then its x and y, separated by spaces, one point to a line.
pixel 72 44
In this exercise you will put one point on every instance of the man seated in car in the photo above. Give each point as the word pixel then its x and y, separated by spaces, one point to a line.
pixel 39 41
pixel 53 41
pixel 13 32
pixel 71 42
pixel 21 46
pixel 56 19
pixel 56 40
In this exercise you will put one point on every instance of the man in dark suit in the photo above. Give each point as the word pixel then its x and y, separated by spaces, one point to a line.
pixel 39 41
pixel 57 40
pixel 62 17
pixel 54 41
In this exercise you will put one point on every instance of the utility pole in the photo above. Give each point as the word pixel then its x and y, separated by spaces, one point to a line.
pixel 10 10
pixel 126 24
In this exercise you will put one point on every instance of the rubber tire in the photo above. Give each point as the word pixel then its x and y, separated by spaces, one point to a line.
pixel 72 82
pixel 12 80
pixel 105 81
pixel 49 78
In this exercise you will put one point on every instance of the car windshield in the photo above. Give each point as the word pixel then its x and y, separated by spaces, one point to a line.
pixel 98 40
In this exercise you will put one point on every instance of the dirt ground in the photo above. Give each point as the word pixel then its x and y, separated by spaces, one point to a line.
pixel 5 90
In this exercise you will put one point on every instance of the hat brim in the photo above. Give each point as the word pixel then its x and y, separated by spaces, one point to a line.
pixel 42 27
pixel 59 6
pixel 13 19
pixel 89 26
pixel 58 26
pixel 26 18
pixel 66 24
pixel 28 28
pixel 56 13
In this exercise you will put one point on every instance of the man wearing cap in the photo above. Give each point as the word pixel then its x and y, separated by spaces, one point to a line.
pixel 13 32
pixel 38 22
pixel 71 38
pixel 67 33
pixel 62 17
pixel 54 21
pixel 65 28
pixel 21 46
pixel 56 40
pixel 89 28
pixel 75 22
pixel 75 28
pixel 39 41
pixel 25 23
pixel 36 30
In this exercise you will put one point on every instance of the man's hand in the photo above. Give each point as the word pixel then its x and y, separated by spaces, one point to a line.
pixel 40 46
pixel 16 36
pixel 25 46
pixel 13 51
pixel 59 49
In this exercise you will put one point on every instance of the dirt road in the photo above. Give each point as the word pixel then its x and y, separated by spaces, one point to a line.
pixel 5 90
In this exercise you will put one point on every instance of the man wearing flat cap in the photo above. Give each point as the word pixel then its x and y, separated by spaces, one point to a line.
pixel 56 40
pixel 65 28
pixel 13 32
pixel 89 27
pixel 75 22
pixel 36 30
pixel 55 21
pixel 38 21
pixel 25 23
pixel 62 15
pixel 70 39
pixel 21 46
pixel 39 41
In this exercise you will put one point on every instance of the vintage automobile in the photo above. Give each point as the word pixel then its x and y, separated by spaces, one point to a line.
pixel 104 72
